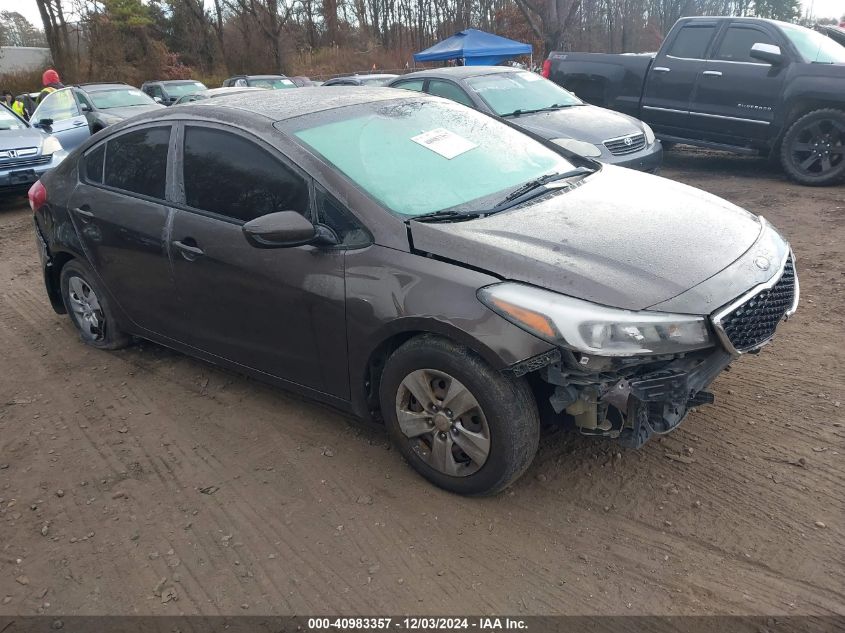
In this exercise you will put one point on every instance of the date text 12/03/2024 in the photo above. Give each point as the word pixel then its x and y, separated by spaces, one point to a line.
pixel 417 624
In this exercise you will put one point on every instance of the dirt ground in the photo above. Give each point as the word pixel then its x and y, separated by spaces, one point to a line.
pixel 146 482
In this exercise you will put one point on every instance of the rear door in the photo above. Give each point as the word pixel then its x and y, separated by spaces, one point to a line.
pixel 671 79
pixel 121 214
pixel 737 96
pixel 68 122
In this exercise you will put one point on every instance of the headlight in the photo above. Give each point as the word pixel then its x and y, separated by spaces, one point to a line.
pixel 649 134
pixel 51 145
pixel 579 147
pixel 592 328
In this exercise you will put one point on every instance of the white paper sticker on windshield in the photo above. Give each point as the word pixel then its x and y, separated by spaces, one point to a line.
pixel 442 141
pixel 136 93
pixel 287 82
pixel 530 76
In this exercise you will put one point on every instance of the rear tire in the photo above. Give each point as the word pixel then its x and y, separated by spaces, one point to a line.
pixel 89 309
pixel 480 447
pixel 812 152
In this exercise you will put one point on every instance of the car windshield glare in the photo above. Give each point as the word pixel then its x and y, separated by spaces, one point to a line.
pixel 274 84
pixel 419 157
pixel 120 98
pixel 814 47
pixel 9 121
pixel 180 90
pixel 506 93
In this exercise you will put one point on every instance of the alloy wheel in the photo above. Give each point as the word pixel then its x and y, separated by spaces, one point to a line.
pixel 86 309
pixel 443 422
pixel 819 147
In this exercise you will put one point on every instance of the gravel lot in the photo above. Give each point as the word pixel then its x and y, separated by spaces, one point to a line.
pixel 146 482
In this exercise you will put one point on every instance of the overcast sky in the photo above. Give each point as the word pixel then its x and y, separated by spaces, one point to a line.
pixel 820 8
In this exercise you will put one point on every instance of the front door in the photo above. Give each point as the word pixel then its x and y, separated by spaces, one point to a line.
pixel 671 78
pixel 121 214
pixel 279 310
pixel 737 96
pixel 66 120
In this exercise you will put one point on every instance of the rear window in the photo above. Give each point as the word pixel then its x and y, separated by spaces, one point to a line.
pixel 137 162
pixel 94 164
pixel 691 42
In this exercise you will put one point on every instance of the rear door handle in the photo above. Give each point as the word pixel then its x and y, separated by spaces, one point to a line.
pixel 661 69
pixel 712 73
pixel 84 211
pixel 188 251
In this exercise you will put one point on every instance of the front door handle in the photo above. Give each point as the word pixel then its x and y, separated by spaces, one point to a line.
pixel 712 73
pixel 189 251
pixel 661 69
pixel 78 123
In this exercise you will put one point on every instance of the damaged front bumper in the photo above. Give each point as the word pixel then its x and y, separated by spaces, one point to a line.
pixel 630 399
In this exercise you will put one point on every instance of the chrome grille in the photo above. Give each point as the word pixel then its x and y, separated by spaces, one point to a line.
pixel 625 144
pixel 29 161
pixel 753 322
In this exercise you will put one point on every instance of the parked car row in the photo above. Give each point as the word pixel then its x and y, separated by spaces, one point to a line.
pixel 415 262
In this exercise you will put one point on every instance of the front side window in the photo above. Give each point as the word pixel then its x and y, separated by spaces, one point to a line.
pixel 137 162
pixel 691 42
pixel 448 90
pixel 83 100
pixel 180 90
pixel 154 91
pixel 814 47
pixel 272 83
pixel 507 93
pixel 119 98
pixel 58 106
pixel 417 157
pixel 737 43
pixel 349 231
pixel 231 176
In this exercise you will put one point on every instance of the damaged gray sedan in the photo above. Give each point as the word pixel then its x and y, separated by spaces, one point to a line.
pixel 415 262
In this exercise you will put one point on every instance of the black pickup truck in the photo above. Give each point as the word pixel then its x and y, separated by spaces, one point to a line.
pixel 746 85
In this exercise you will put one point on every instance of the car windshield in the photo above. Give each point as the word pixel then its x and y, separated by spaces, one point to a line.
pixel 507 93
pixel 814 47
pixel 376 81
pixel 180 90
pixel 8 121
pixel 118 98
pixel 419 157
pixel 280 83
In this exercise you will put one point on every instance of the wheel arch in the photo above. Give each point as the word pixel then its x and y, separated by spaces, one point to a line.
pixel 366 381
pixel 52 278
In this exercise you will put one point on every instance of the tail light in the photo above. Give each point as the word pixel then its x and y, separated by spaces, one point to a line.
pixel 37 196
pixel 547 68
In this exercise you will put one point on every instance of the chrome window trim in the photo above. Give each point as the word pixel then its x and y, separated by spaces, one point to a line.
pixel 717 317
pixel 647 107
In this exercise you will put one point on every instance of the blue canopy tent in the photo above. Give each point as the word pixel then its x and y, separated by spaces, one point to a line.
pixel 475 47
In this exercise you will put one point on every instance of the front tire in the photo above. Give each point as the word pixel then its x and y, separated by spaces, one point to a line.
pixel 813 150
pixel 88 308
pixel 461 424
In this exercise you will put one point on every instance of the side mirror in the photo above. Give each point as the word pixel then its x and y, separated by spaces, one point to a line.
pixel 158 100
pixel 45 123
pixel 85 107
pixel 768 53
pixel 280 230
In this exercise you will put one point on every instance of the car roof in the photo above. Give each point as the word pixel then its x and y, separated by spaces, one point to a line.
pixel 98 87
pixel 173 82
pixel 259 77
pixel 462 72
pixel 279 105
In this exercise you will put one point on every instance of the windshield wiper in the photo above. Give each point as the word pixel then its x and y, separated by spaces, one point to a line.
pixel 538 183
pixel 551 108
pixel 446 215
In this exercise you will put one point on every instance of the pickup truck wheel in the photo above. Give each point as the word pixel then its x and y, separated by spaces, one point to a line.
pixel 457 421
pixel 813 149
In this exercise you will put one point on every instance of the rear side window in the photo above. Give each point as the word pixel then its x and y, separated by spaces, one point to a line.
pixel 137 162
pixel 411 84
pixel 231 176
pixel 691 42
pixel 94 164
pixel 737 43
pixel 448 90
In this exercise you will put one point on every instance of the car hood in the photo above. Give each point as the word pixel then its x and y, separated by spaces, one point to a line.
pixel 622 238
pixel 125 113
pixel 26 137
pixel 585 123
